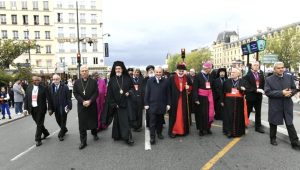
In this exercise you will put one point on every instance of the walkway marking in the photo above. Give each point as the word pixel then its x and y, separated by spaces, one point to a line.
pixel 219 155
pixel 215 125
pixel 29 149
pixel 147 138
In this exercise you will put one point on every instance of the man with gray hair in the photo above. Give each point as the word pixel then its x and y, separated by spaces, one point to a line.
pixel 59 103
pixel 280 88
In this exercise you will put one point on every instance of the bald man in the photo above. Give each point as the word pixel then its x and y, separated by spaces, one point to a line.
pixel 60 103
pixel 35 103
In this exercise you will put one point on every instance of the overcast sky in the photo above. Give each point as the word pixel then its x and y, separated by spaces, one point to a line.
pixel 144 31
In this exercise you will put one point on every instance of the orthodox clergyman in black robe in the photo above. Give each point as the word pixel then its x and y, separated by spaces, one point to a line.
pixel 119 105
pixel 218 85
pixel 235 117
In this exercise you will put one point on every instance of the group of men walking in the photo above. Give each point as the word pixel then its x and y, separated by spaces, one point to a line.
pixel 129 95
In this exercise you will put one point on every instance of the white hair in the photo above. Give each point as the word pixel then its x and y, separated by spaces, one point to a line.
pixel 277 64
pixel 56 75
pixel 84 66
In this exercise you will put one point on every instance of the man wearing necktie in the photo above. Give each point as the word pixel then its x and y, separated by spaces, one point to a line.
pixel 60 104
pixel 254 84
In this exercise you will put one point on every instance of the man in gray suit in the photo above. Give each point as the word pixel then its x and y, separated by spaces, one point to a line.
pixel 18 96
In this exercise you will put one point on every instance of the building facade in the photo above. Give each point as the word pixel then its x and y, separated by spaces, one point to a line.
pixel 52 24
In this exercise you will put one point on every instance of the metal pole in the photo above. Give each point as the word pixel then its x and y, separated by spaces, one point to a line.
pixel 78 40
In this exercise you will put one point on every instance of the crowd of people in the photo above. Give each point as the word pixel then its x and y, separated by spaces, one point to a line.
pixel 126 96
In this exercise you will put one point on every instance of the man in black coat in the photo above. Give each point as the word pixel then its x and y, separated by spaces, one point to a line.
pixel 60 102
pixel 35 103
pixel 254 84
pixel 157 102
pixel 280 88
pixel 150 73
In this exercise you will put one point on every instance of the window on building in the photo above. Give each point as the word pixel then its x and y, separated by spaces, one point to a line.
pixel 46 5
pixel 59 17
pixel 72 32
pixel 49 63
pixel 95 60
pixel 71 18
pixel 46 20
pixel 59 4
pixel 82 4
pixel 93 4
pixel 37 35
pixel 83 32
pixel 25 19
pixel 95 47
pixel 14 19
pixel 24 5
pixel 15 35
pixel 13 5
pixel 26 35
pixel 38 63
pixel 84 60
pixel 82 18
pixel 83 47
pixel 38 49
pixel 60 32
pixel 74 60
pixel 61 48
pixel 94 32
pixel 48 49
pixel 61 59
pixel 47 35
pixel 71 4
pixel 3 18
pixel 4 34
pixel 2 4
pixel 36 19
pixel 93 18
pixel 35 5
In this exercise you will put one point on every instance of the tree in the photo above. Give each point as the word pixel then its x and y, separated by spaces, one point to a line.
pixel 287 46
pixel 10 50
pixel 192 60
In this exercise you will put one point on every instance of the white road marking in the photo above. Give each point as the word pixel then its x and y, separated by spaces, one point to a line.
pixel 29 149
pixel 147 138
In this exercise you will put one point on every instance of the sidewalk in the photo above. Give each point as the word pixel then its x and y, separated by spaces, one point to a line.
pixel 14 117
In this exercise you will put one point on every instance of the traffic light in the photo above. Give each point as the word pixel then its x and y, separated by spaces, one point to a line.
pixel 183 53
pixel 78 58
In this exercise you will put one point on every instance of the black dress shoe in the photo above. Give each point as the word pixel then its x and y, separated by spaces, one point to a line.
pixel 3 117
pixel 9 117
pixel 172 135
pixel 152 141
pixel 273 142
pixel 130 142
pixel 160 136
pixel 296 146
pixel 201 133
pixel 82 145
pixel 61 138
pixel 259 130
pixel 229 135
pixel 46 135
pixel 38 143
pixel 209 132
pixel 96 137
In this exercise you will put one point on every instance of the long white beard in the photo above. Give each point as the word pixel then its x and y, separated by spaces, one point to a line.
pixel 118 74
pixel 151 75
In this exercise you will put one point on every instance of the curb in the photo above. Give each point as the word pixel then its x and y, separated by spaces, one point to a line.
pixel 12 120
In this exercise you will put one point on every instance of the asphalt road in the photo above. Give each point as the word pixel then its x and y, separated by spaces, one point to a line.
pixel 192 152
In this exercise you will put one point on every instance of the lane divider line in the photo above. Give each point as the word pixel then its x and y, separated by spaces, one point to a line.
pixel 147 138
pixel 220 154
pixel 30 148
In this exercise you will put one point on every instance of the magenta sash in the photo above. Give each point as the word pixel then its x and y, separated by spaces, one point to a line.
pixel 211 110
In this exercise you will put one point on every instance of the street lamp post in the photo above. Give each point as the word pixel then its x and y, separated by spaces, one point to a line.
pixel 78 42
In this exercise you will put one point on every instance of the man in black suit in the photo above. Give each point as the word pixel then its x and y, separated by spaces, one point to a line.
pixel 137 99
pixel 35 103
pixel 61 103
pixel 157 102
pixel 254 84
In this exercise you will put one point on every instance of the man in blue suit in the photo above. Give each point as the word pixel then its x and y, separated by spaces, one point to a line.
pixel 157 102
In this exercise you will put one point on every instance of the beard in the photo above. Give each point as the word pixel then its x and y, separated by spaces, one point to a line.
pixel 118 74
pixel 151 75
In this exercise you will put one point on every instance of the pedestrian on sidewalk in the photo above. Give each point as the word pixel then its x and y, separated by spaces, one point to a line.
pixel 18 96
pixel 280 88
pixel 35 103
pixel 4 97
pixel 86 91
pixel 10 91
pixel 60 104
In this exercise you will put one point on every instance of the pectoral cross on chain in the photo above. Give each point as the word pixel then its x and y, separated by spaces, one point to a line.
pixel 84 92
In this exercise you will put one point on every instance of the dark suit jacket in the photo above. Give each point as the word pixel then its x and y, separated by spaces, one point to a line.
pixel 250 85
pixel 41 99
pixel 64 98
pixel 157 96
